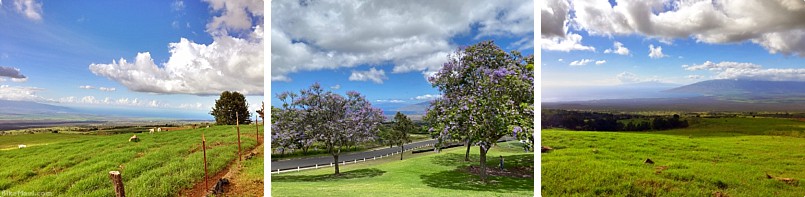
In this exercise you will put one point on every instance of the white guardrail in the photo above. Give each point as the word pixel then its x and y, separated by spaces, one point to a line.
pixel 317 166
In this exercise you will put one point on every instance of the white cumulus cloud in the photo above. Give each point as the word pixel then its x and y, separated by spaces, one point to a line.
pixel 627 77
pixel 31 9
pixel 708 65
pixel 389 101
pixel 599 62
pixel 374 75
pixel 327 35
pixel 571 42
pixel 227 64
pixel 618 49
pixel 427 97
pixel 18 93
pixel 581 62
pixel 234 15
pixel 776 25
pixel 749 71
pixel 655 52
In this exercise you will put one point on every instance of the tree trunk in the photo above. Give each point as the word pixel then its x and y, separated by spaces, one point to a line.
pixel 335 157
pixel 467 155
pixel 402 150
pixel 483 164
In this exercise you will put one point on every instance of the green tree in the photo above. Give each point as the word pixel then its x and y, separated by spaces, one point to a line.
pixel 228 106
pixel 401 128
pixel 385 135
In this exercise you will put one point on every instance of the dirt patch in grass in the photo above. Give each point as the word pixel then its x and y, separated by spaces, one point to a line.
pixel 241 183
pixel 199 188
pixel 659 169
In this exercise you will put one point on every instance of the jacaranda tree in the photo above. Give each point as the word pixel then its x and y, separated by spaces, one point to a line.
pixel 281 137
pixel 334 120
pixel 285 127
pixel 487 94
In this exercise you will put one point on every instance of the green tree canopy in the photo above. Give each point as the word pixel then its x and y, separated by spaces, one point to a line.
pixel 400 130
pixel 228 105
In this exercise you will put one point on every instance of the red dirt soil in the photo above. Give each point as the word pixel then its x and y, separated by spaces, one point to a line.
pixel 199 190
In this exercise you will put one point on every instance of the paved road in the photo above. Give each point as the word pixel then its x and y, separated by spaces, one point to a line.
pixel 326 160
pixel 349 157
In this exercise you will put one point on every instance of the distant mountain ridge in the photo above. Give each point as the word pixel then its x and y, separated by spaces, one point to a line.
pixel 651 89
pixel 713 95
pixel 28 107
pixel 726 87
pixel 418 107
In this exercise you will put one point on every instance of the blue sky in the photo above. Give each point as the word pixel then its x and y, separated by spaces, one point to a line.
pixel 73 52
pixel 385 50
pixel 699 40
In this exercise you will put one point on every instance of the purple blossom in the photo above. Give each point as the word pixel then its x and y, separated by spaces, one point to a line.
pixel 516 130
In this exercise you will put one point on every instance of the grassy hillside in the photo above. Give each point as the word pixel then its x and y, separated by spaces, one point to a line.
pixel 12 141
pixel 424 174
pixel 160 164
pixel 728 156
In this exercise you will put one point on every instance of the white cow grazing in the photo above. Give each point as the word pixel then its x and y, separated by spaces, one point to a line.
pixel 159 129
pixel 208 126
pixel 151 131
pixel 22 146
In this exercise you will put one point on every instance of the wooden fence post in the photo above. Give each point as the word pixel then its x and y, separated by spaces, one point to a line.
pixel 117 181
pixel 204 149
pixel 256 129
pixel 237 126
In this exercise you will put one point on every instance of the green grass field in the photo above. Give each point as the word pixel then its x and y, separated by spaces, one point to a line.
pixel 423 174
pixel 8 142
pixel 160 164
pixel 724 155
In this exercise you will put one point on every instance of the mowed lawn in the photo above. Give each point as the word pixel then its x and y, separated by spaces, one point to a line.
pixel 161 164
pixel 424 174
pixel 730 156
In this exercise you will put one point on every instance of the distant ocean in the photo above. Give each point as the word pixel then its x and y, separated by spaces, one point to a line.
pixel 155 113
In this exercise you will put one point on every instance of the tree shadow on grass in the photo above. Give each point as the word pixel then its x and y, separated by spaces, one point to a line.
pixel 461 180
pixel 454 159
pixel 354 174
pixel 510 161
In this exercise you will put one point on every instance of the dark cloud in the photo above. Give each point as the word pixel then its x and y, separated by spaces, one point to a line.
pixel 11 72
